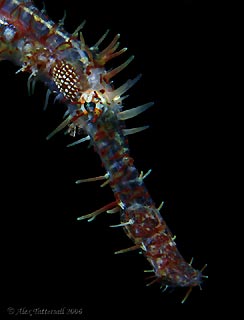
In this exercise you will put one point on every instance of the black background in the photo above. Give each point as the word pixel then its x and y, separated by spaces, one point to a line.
pixel 51 260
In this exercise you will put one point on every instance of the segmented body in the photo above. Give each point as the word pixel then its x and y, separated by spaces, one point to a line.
pixel 77 75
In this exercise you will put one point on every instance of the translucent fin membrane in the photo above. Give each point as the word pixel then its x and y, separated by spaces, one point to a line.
pixel 131 221
pixel 143 176
pixel 111 47
pixel 60 127
pixel 187 295
pixel 31 83
pixel 128 114
pixel 110 51
pixel 125 87
pixel 136 247
pixel 92 216
pixel 47 99
pixel 115 71
pixel 79 28
pixel 61 21
pixel 105 177
pixel 114 210
pixel 126 132
pixel 97 44
pixel 161 206
pixel 87 138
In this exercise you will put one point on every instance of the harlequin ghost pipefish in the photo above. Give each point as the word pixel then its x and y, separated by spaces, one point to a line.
pixel 77 75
